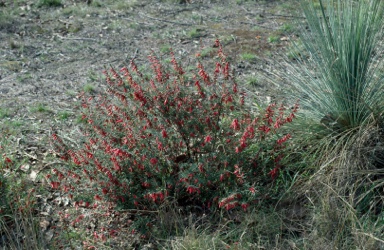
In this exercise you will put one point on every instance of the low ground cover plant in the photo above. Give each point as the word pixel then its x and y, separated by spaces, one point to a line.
pixel 185 137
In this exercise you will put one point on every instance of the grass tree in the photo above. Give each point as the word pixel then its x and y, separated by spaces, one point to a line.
pixel 341 83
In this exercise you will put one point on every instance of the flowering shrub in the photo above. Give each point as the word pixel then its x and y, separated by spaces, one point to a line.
pixel 191 139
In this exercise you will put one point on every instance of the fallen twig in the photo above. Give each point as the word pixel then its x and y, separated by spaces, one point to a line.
pixel 76 38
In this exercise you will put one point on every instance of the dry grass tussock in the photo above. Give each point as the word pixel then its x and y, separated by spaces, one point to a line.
pixel 346 193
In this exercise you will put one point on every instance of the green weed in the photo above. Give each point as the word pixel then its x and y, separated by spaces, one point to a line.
pixel 64 115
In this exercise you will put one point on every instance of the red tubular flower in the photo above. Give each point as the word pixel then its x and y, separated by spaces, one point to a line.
pixel 207 139
pixel 245 206
pixel 235 124
pixel 228 199
pixel 226 73
pixel 292 115
pixel 55 184
pixel 74 157
pixel 217 43
pixel 201 168
pixel 203 74
pixel 278 123
pixel 264 128
pixel 229 99
pixel 274 172
pixel 145 185
pixel 161 196
pixel 54 136
pixel 159 144
pixel 97 197
pixel 231 205
pixel 283 139
pixel 234 89
pixel 192 190
pixel 176 66
pixel 135 69
pixel 116 166
pixel 153 161
pixel 222 176
pixel 218 67
pixel 243 143
pixel 164 133
pixel 197 84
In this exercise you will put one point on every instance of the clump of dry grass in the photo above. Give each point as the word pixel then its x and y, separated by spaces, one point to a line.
pixel 346 194
pixel 20 230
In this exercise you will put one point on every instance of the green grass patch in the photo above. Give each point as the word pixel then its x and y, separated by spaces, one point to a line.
pixel 92 76
pixel 4 113
pixel 194 33
pixel 40 107
pixel 63 115
pixel 23 78
pixel 6 19
pixel 252 81
pixel 273 39
pixel 207 52
pixel 165 48
pixel 14 66
pixel 14 123
pixel 89 88
pixel 248 57
pixel 50 3
pixel 286 28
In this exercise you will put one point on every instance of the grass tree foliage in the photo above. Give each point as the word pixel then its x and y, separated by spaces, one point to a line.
pixel 341 82
pixel 340 86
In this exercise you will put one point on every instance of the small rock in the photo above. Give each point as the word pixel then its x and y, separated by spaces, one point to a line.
pixel 33 175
